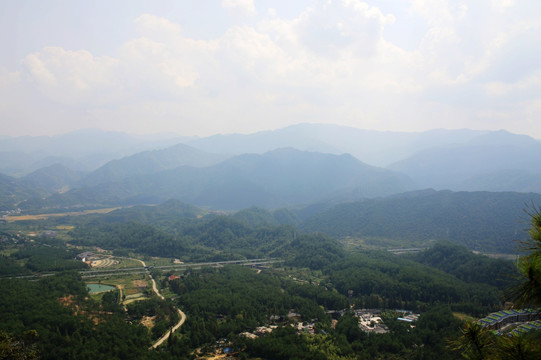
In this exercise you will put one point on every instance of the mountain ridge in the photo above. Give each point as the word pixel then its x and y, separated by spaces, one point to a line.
pixel 429 215
pixel 275 179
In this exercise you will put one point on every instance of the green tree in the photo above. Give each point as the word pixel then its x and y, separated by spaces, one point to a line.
pixel 24 347
pixel 475 342
pixel 528 292
pixel 525 346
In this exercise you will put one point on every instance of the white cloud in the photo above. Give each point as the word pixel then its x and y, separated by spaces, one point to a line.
pixel 244 7
pixel 72 76
pixel 328 28
pixel 157 26
pixel 163 64
pixel 148 65
pixel 503 5
pixel 331 61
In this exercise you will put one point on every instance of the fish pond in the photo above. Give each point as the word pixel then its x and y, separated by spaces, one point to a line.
pixel 99 288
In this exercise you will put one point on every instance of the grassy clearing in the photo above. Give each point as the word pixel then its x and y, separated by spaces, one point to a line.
pixel 65 227
pixel 464 317
pixel 8 251
pixel 157 261
pixel 301 275
pixel 352 243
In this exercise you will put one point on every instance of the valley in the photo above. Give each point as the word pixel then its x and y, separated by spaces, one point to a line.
pixel 206 278
pixel 276 254
pixel 270 180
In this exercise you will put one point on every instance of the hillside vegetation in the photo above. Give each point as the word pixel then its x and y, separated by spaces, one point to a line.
pixel 483 221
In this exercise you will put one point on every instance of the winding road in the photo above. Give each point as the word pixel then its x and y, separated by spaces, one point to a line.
pixel 173 329
pixel 180 312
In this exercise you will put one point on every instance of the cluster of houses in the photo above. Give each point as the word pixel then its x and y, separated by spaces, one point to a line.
pixel 524 319
pixel 370 320
pixel 408 316
pixel 259 331
pixel 304 327
pixel 4 214
pixel 292 316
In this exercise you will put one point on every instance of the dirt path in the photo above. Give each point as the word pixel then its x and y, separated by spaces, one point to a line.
pixel 141 261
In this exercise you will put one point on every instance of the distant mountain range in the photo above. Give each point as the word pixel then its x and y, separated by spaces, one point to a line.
pixel 378 148
pixel 149 162
pixel 54 178
pixel 275 179
pixel 13 190
pixel 82 150
pixel 441 159
pixel 497 161
pixel 296 165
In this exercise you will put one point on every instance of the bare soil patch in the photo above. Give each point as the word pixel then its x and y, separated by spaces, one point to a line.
pixel 148 321
pixel 139 283
pixel 46 216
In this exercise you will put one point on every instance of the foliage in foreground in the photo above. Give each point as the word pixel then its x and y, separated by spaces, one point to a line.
pixel 477 342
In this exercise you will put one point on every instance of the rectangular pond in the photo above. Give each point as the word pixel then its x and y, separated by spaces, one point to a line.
pixel 99 288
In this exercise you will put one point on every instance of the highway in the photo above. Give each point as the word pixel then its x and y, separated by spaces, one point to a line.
pixel 132 270
pixel 146 269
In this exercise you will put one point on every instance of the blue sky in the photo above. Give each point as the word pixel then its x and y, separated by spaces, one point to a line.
pixel 239 66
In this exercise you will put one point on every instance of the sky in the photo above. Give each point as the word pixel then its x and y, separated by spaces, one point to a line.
pixel 241 66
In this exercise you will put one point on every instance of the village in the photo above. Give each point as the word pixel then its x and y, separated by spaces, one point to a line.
pixel 370 321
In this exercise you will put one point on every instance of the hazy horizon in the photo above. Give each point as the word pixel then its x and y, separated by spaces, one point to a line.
pixel 240 66
pixel 168 134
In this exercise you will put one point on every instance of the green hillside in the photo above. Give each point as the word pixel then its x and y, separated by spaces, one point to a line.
pixel 484 221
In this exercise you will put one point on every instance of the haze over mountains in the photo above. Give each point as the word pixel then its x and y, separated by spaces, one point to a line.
pixel 151 161
pixel 83 150
pixel 278 178
pixel 294 166
pixel 378 148
pixel 496 161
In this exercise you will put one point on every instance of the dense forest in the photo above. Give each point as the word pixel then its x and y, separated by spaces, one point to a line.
pixel 65 324
pixel 482 221
pixel 309 298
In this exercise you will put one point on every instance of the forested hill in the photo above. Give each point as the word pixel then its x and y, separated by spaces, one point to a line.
pixel 151 161
pixel 467 266
pixel 313 273
pixel 483 221
pixel 52 178
pixel 13 190
pixel 276 179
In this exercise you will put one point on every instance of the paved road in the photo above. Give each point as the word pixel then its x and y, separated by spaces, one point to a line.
pixel 155 288
pixel 173 329
pixel 135 270
pixel 180 312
